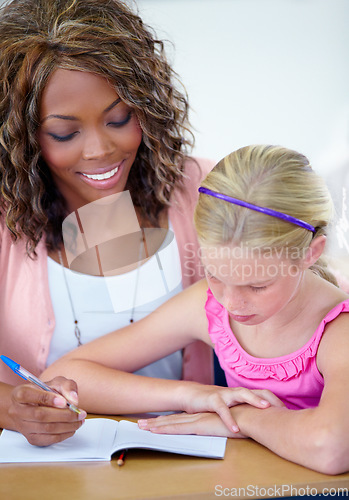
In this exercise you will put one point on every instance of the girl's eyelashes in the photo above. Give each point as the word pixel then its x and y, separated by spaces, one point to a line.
pixel 254 288
pixel 258 288
pixel 210 276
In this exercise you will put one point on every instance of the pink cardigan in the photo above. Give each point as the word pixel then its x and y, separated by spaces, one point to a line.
pixel 27 319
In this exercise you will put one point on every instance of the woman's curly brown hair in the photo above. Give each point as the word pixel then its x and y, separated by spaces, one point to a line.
pixel 106 38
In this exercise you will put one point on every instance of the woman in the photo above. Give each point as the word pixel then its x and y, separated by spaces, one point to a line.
pixel 88 110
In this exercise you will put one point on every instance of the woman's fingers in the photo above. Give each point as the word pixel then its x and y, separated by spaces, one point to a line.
pixel 43 417
pixel 44 434
pixel 27 394
pixel 68 388
pixel 48 439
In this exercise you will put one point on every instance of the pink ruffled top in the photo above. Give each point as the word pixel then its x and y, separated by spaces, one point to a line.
pixel 294 378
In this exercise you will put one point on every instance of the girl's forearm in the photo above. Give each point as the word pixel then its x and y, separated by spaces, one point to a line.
pixel 301 436
pixel 108 391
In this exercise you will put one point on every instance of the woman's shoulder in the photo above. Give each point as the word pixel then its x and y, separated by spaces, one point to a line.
pixel 197 168
pixel 16 248
pixel 4 231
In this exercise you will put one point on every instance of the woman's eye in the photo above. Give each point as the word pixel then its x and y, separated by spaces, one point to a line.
pixel 62 138
pixel 121 123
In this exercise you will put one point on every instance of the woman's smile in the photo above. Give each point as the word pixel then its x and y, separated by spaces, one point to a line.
pixel 102 176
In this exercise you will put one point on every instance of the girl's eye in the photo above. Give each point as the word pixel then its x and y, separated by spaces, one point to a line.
pixel 121 123
pixel 64 138
pixel 258 288
pixel 210 276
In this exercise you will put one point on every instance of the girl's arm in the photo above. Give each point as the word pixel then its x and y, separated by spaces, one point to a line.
pixel 102 367
pixel 317 438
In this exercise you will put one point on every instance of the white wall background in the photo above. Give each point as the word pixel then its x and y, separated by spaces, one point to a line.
pixel 270 71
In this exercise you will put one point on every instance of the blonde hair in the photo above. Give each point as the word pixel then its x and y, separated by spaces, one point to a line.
pixel 272 177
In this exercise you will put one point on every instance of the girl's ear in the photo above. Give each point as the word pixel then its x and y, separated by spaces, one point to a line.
pixel 314 251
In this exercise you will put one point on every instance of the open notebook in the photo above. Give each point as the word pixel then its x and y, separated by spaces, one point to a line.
pixel 98 438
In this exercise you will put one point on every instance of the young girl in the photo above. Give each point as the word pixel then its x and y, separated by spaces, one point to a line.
pixel 272 312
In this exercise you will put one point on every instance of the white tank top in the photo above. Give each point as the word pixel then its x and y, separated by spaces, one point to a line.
pixel 104 304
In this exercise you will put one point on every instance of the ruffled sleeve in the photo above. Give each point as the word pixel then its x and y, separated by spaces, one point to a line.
pixel 233 358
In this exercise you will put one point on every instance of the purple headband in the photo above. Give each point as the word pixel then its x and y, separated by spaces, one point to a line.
pixel 263 210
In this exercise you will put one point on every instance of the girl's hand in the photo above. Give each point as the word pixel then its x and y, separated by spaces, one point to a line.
pixel 43 417
pixel 203 424
pixel 202 398
pixel 207 424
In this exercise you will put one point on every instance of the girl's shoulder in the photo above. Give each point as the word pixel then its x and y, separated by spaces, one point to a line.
pixel 333 350
pixel 322 296
pixel 336 314
pixel 332 305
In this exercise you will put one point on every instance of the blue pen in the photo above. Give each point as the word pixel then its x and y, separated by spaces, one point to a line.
pixel 22 372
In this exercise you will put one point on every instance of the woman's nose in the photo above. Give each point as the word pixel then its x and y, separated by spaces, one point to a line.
pixel 96 146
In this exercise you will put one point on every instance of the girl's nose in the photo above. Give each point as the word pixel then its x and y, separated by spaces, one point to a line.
pixel 234 303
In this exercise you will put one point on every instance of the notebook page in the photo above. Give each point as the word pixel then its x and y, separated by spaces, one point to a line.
pixel 92 441
pixel 130 436
pixel 98 438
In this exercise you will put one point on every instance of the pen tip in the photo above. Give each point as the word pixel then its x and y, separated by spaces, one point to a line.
pixel 74 408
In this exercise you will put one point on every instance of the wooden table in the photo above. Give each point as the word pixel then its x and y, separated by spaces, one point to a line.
pixel 248 471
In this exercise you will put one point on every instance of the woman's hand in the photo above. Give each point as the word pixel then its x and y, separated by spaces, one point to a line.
pixel 43 417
